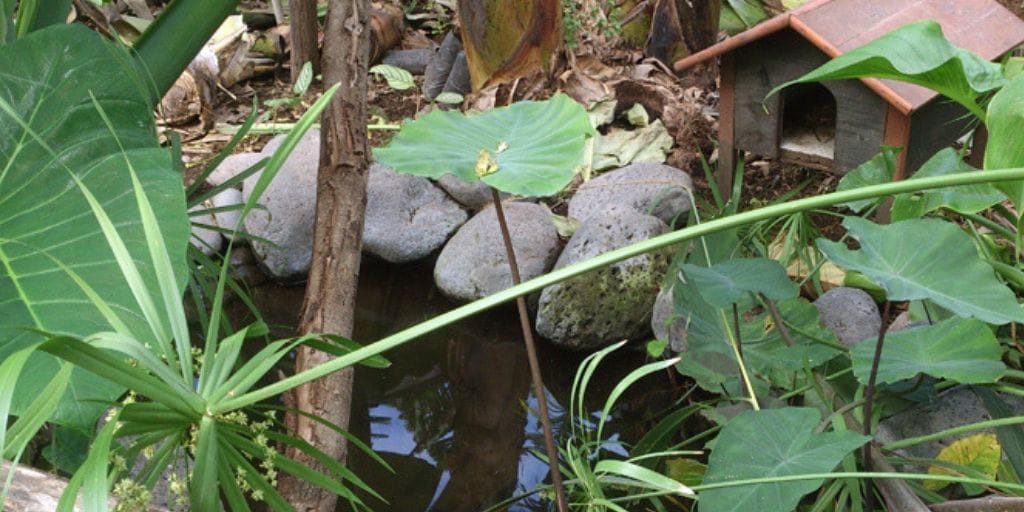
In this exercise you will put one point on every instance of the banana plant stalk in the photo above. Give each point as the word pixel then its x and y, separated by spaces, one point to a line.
pixel 531 356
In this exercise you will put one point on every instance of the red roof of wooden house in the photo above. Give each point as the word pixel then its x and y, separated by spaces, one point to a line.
pixel 836 26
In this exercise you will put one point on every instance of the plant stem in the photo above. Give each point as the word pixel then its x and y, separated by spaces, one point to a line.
pixel 773 310
pixel 275 128
pixel 1006 486
pixel 531 355
pixel 869 399
pixel 734 343
pixel 736 325
pixel 955 431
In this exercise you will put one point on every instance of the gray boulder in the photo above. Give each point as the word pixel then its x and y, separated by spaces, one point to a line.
pixel 407 217
pixel 612 303
pixel 473 263
pixel 227 219
pixel 206 240
pixel 653 189
pixel 232 166
pixel 290 208
pixel 473 195
pixel 309 144
pixel 664 323
pixel 952 408
pixel 850 313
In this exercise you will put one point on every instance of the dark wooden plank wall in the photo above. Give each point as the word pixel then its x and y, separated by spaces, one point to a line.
pixel 933 127
pixel 860 113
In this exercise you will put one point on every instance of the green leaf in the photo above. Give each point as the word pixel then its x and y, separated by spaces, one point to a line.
pixel 876 171
pixel 771 443
pixel 305 78
pixel 203 488
pixel 397 78
pixel 688 471
pixel 642 477
pixel 926 259
pixel 42 408
pixel 748 12
pixel 531 148
pixel 91 478
pixel 813 343
pixel 449 98
pixel 966 199
pixel 7 21
pixel 51 130
pixel 67 450
pixel 917 53
pixel 962 350
pixel 1006 138
pixel 726 283
pixel 34 15
pixel 710 359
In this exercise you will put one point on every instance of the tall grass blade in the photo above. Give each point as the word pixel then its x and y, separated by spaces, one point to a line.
pixel 117 370
pixel 91 478
pixel 42 408
pixel 625 383
pixel 223 154
pixel 643 477
pixel 162 267
pixel 203 489
pixel 581 381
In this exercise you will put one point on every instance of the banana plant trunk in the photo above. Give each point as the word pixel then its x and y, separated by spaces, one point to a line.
pixel 341 198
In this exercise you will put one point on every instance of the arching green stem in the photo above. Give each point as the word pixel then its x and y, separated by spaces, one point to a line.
pixel 611 257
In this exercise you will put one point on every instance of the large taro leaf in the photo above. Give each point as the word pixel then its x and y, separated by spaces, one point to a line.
pixel 710 361
pixel 813 343
pixel 530 148
pixel 926 259
pixel 54 85
pixel 1006 138
pixel 963 199
pixel 958 349
pixel 917 53
pixel 771 443
pixel 726 283
pixel 876 171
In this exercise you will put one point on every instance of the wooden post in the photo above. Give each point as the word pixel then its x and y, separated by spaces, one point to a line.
pixel 726 124
pixel 329 305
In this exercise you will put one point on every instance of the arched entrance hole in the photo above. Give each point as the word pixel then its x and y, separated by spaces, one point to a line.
pixel 808 125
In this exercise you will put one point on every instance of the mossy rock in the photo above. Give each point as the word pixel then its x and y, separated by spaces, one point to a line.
pixel 611 303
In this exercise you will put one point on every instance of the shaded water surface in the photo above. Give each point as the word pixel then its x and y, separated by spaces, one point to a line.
pixel 453 414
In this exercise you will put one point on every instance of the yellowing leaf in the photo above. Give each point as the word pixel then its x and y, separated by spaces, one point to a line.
pixel 485 165
pixel 507 39
pixel 980 452
pixel 685 471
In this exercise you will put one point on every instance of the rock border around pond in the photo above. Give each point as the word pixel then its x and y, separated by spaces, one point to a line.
pixel 409 218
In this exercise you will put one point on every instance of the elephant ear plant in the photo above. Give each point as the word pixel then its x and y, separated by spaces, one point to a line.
pixel 93 236
pixel 530 148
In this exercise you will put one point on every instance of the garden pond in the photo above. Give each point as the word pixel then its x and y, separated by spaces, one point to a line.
pixel 454 414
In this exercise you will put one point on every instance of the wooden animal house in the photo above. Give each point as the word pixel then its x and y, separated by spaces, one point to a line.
pixel 841 124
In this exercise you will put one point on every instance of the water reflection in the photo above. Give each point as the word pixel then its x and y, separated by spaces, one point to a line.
pixel 453 416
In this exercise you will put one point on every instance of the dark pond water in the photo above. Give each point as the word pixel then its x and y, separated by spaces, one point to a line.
pixel 453 414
